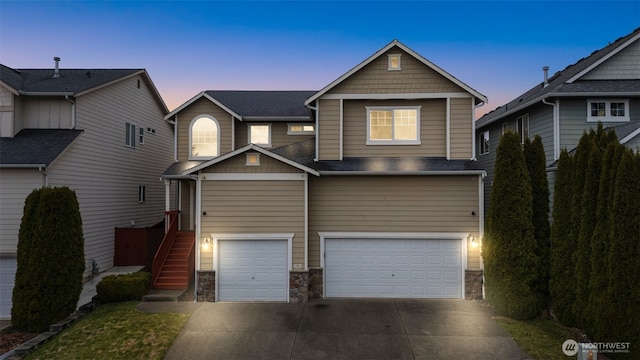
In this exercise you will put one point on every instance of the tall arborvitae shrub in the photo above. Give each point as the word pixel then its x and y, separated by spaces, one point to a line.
pixel 509 246
pixel 52 280
pixel 623 309
pixel 600 243
pixel 536 165
pixel 588 222
pixel 562 274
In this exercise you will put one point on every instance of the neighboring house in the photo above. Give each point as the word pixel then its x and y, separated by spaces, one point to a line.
pixel 366 188
pixel 99 132
pixel 603 87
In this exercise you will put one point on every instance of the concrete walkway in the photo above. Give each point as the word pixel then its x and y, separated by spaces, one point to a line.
pixel 339 329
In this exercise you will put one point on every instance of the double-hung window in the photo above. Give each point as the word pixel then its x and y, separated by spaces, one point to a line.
pixel 130 131
pixel 393 125
pixel 483 142
pixel 608 110
pixel 523 127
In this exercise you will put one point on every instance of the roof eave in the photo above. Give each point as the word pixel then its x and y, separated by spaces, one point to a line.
pixel 276 118
pixel 404 173
pixel 197 97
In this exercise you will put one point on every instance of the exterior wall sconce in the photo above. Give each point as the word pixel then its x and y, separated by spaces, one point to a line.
pixel 473 241
pixel 205 243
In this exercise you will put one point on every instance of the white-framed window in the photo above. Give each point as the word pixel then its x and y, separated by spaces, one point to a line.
pixel 253 159
pixel 393 125
pixel 523 127
pixel 204 137
pixel 260 134
pixel 142 193
pixel 130 137
pixel 505 128
pixel 394 62
pixel 141 135
pixel 611 110
pixel 301 129
pixel 483 142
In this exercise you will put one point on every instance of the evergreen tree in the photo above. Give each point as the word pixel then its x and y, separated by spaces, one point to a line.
pixel 509 246
pixel 562 245
pixel 536 165
pixel 624 255
pixel 52 279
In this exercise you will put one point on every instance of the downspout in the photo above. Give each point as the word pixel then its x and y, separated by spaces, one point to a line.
pixel 175 137
pixel 73 112
pixel 198 235
pixel 556 128
pixel 314 108
pixel 45 177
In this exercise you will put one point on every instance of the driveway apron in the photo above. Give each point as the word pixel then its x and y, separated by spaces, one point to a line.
pixel 341 329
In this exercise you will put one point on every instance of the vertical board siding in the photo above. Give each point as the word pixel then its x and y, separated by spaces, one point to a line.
pixel 432 130
pixel 253 207
pixel 415 77
pixel 105 173
pixel 15 186
pixel 46 112
pixel 461 127
pixel 328 129
pixel 203 106
pixel 392 204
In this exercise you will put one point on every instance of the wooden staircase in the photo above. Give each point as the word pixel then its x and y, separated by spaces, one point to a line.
pixel 174 274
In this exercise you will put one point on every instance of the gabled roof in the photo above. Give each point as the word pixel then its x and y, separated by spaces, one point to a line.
pixel 247 105
pixel 479 97
pixel 71 82
pixel 35 148
pixel 567 82
pixel 627 132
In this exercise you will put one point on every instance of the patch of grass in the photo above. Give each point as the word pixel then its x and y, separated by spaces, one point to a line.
pixel 115 331
pixel 541 339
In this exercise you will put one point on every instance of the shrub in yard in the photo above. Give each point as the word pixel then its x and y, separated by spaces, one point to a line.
pixel 116 288
pixel 623 308
pixel 536 165
pixel 509 246
pixel 49 280
pixel 562 274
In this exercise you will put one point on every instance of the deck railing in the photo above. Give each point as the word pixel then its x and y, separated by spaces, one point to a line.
pixel 171 226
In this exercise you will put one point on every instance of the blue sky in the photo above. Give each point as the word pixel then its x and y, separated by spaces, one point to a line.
pixel 496 47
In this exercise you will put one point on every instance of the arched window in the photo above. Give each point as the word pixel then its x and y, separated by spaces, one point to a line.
pixel 204 139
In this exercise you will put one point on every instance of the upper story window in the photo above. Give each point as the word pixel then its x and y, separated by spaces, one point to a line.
pixel 393 126
pixel 204 137
pixel 260 134
pixel 505 128
pixel 130 137
pixel 523 127
pixel 483 142
pixel 394 61
pixel 301 129
pixel 141 135
pixel 608 110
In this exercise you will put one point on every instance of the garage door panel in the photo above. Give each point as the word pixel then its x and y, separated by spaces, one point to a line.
pixel 252 270
pixel 405 268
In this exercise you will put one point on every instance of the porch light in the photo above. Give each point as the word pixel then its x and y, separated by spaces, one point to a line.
pixel 205 243
pixel 473 241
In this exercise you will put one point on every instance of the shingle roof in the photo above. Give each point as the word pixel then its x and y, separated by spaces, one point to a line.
pixel 558 84
pixel 261 104
pixel 70 81
pixel 36 147
pixel 398 165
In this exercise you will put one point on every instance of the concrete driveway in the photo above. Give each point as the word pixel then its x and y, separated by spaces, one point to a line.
pixel 340 329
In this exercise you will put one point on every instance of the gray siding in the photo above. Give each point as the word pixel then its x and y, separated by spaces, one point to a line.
pixel 105 173
pixel 624 65
pixel 15 186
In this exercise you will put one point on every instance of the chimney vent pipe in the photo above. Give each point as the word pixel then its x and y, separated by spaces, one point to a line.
pixel 545 69
pixel 56 71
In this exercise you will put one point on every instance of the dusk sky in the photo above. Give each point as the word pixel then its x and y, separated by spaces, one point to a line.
pixel 497 47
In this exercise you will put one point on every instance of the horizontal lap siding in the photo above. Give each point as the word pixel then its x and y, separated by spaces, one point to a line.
pixel 105 173
pixel 432 129
pixel 254 207
pixel 461 125
pixel 329 129
pixel 15 186
pixel 279 135
pixel 203 107
pixel 392 204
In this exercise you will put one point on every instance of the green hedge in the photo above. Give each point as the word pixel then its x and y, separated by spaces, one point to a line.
pixel 117 288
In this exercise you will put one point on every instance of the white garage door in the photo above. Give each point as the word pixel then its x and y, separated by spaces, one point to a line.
pixel 252 270
pixel 393 268
pixel 7 278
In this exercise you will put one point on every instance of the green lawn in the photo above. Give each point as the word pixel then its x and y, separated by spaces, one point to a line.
pixel 541 339
pixel 115 331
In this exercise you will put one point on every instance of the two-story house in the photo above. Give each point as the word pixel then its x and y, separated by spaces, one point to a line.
pixel 98 131
pixel 603 87
pixel 366 188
